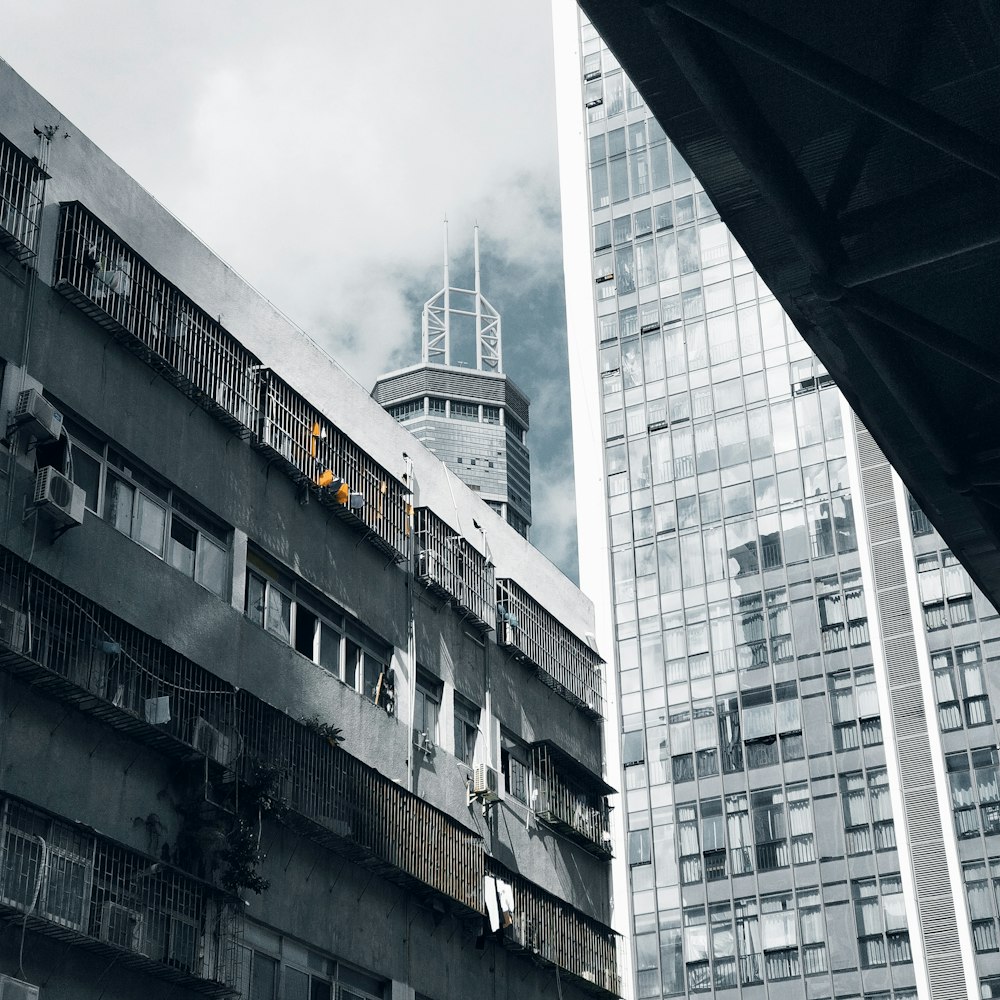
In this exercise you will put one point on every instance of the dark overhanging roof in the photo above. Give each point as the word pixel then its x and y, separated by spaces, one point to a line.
pixel 852 149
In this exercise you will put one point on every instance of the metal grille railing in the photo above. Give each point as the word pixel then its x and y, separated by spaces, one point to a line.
pixel 76 649
pixel 84 654
pixel 580 815
pixel 308 445
pixel 76 885
pixel 565 663
pixel 81 653
pixel 557 934
pixel 120 291
pixel 20 201
pixel 448 564
pixel 344 801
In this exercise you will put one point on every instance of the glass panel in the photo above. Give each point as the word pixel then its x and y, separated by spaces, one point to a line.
pixel 213 564
pixel 118 504
pixel 151 520
pixel 183 542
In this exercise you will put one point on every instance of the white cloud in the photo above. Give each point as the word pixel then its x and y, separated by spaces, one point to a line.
pixel 317 147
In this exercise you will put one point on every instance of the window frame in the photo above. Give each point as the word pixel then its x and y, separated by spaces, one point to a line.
pixel 113 463
pixel 359 650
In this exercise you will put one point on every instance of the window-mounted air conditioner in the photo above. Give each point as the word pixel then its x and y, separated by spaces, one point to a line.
pixel 121 926
pixel 485 783
pixel 12 628
pixel 34 413
pixel 17 989
pixel 210 741
pixel 58 498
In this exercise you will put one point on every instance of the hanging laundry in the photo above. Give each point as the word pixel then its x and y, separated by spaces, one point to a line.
pixel 505 894
pixel 492 902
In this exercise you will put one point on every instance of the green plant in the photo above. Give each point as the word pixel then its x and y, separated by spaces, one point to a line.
pixel 241 856
pixel 330 733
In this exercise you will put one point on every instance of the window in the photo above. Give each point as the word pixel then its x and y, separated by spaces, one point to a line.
pixel 639 850
pixel 945 591
pixel 149 510
pixel 867 811
pixel 464 411
pixel 296 614
pixel 982 883
pixel 403 411
pixel 514 763
pixel 960 703
pixel 843 617
pixel 881 921
pixel 855 711
pixel 919 524
pixel 277 968
pixel 426 709
pixel 975 791
pixel 466 729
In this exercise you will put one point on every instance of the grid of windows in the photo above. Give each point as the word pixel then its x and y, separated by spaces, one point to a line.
pixel 734 572
pixel 149 510
pixel 975 791
pixel 296 614
pixel 279 968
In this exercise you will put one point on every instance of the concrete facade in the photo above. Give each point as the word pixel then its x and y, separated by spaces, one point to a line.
pixel 212 589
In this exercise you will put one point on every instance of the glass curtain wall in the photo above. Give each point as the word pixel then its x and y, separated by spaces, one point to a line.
pixel 750 728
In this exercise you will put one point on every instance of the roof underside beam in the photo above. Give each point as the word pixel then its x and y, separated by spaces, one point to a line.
pixel 836 78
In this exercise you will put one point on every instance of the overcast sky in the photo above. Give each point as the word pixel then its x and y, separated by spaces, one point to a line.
pixel 317 147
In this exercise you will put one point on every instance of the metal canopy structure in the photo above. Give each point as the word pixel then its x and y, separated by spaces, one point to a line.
pixel 854 151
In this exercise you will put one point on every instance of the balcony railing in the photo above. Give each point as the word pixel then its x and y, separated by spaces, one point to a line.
pixel 751 968
pixel 578 813
pixel 564 662
pixel 782 963
pixel 61 642
pixel 452 568
pixel 344 804
pixel 67 882
pixel 117 288
pixel 20 201
pixel 556 934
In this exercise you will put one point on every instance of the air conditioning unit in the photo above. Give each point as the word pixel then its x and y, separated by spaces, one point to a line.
pixel 210 741
pixel 17 989
pixel 121 926
pixel 58 498
pixel 485 783
pixel 12 628
pixel 34 413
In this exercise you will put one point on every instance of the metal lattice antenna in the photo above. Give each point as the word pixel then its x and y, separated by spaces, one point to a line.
pixel 438 310
pixel 436 319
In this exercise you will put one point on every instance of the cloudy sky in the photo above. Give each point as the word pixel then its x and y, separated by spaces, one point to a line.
pixel 317 148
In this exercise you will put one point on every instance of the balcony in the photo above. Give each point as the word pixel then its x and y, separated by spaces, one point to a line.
pixel 120 291
pixel 570 799
pixel 20 202
pixel 343 804
pixel 69 883
pixel 63 643
pixel 553 933
pixel 80 653
pixel 565 663
pixel 451 568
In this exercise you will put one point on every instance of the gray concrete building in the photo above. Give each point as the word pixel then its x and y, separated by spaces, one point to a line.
pixel 274 721
pixel 804 685
pixel 474 419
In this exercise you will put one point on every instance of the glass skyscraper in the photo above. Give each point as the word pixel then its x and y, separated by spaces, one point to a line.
pixel 806 710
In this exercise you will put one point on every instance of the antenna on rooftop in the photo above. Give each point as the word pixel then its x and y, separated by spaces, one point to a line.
pixel 438 310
